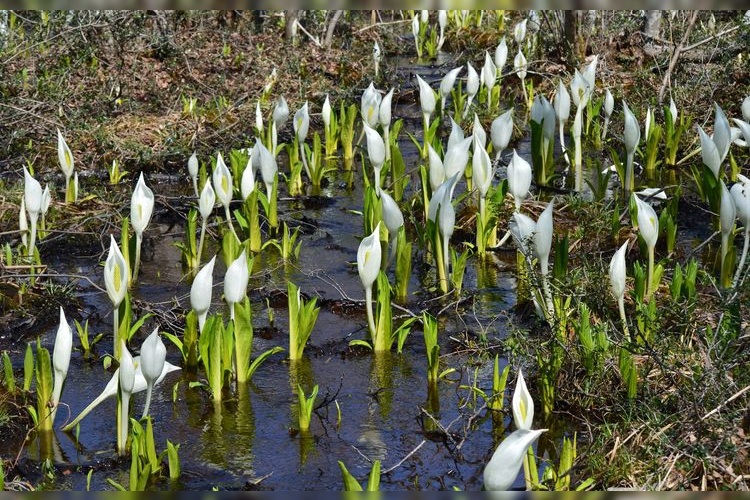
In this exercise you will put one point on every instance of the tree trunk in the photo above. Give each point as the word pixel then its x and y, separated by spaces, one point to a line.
pixel 652 23
pixel 257 18
pixel 3 27
pixel 291 17
pixel 332 28
pixel 651 31
pixel 573 39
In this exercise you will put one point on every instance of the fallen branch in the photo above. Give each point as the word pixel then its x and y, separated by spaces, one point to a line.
pixel 712 37
pixel 314 39
pixel 734 396
pixel 400 21
pixel 412 452
pixel 676 55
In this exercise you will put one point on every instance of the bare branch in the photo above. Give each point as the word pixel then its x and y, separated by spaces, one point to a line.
pixel 668 75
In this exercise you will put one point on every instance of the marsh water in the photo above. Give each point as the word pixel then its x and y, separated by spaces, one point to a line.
pixel 250 438
pixel 368 408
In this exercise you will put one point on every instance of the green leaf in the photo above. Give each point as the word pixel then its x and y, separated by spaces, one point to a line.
pixel 28 368
pixel 585 484
pixel 174 460
pixel 243 338
pixel 151 445
pixel 360 342
pixel 133 465
pixel 373 482
pixel 10 379
pixel 350 482
pixel 499 381
pixel 43 387
pixel 402 332
pixel 116 485
pixel 33 414
pixel 176 341
pixel 260 359
pixel 143 478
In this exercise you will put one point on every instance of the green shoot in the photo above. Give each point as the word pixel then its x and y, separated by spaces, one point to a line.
pixel 173 460
pixel 347 116
pixel 302 317
pixel 115 174
pixel 43 373
pixel 351 483
pixel 433 349
pixel 10 378
pixel 28 368
pixel 499 381
pixel 403 265
pixel 189 248
pixel 305 407
pixel 83 336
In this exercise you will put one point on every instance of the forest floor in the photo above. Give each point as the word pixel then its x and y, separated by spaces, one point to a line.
pixel 120 86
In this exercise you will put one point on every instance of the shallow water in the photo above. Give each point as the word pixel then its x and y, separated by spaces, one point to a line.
pixel 250 437
pixel 249 441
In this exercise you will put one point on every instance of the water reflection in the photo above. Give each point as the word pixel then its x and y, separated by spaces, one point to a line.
pixel 380 390
pixel 486 271
pixel 214 447
pixel 229 433
pixel 44 445
pixel 432 407
pixel 301 375
pixel 381 382
pixel 306 446
pixel 245 417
